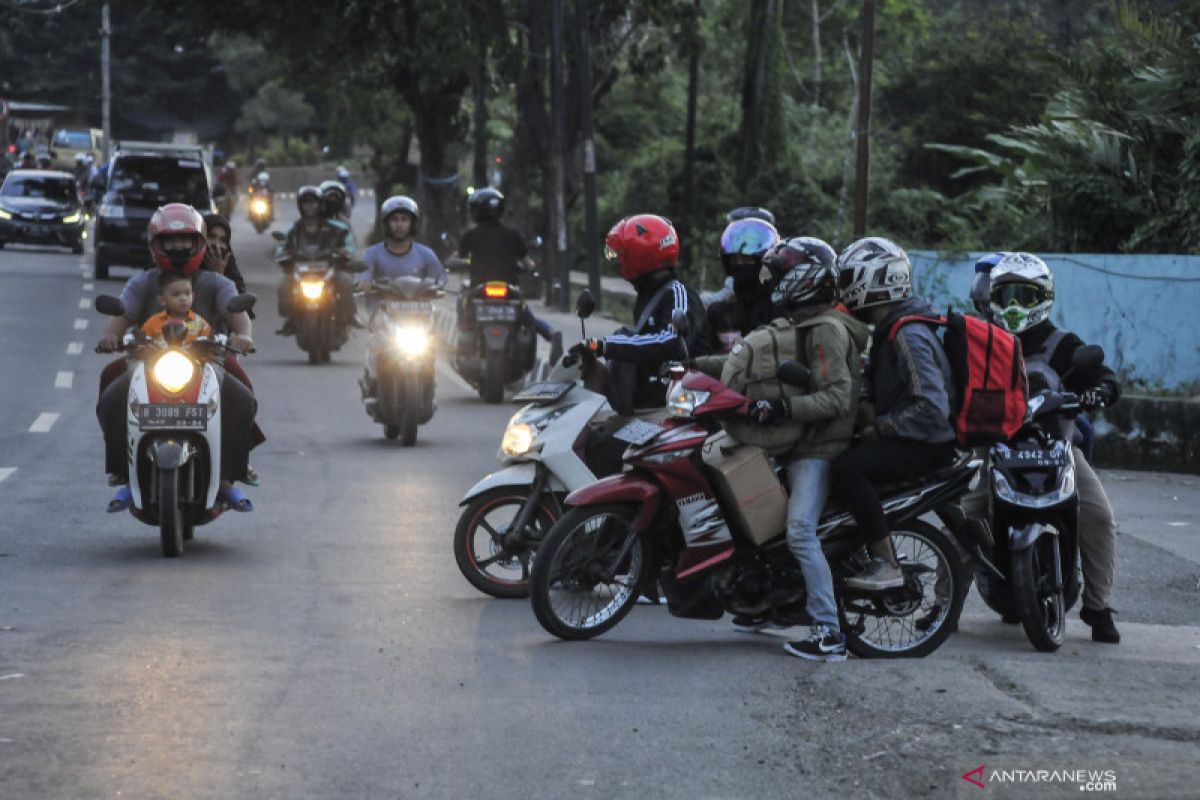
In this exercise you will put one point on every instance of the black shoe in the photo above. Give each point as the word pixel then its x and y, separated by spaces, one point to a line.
pixel 287 330
pixel 822 644
pixel 1101 622
pixel 744 623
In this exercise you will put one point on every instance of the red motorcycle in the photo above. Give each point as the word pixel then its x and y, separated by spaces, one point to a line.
pixel 672 516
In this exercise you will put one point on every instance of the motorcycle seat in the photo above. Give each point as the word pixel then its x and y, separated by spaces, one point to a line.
pixel 899 487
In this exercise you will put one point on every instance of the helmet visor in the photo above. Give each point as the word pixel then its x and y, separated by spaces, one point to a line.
pixel 1025 295
pixel 749 237
pixel 610 255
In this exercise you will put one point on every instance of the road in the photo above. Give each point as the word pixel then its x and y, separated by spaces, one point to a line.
pixel 326 646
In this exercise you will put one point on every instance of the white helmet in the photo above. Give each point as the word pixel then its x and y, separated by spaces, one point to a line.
pixel 400 203
pixel 1022 291
pixel 873 272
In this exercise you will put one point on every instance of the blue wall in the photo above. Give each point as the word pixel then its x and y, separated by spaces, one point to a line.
pixel 1143 310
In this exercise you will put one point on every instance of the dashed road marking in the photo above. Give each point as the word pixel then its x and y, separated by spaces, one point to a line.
pixel 44 422
pixel 74 348
pixel 87 287
pixel 64 380
pixel 81 324
pixel 85 303
pixel 6 472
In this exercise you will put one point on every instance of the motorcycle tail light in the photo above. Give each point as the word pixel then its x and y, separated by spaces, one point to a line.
pixel 495 289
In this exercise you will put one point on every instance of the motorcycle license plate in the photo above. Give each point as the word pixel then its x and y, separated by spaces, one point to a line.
pixel 1033 458
pixel 192 416
pixel 637 432
pixel 409 307
pixel 542 392
pixel 489 312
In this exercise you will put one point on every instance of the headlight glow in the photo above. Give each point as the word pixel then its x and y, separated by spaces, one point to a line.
pixel 69 218
pixel 518 439
pixel 682 402
pixel 411 341
pixel 312 290
pixel 4 214
pixel 259 206
pixel 174 371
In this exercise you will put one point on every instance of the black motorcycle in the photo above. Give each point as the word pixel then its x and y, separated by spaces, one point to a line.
pixel 314 315
pixel 498 344
pixel 1031 571
pixel 398 381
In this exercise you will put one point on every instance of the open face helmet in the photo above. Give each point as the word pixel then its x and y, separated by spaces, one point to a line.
pixel 400 204
pixel 1022 292
pixel 485 204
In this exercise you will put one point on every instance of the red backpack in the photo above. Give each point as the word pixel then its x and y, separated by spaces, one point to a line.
pixel 989 377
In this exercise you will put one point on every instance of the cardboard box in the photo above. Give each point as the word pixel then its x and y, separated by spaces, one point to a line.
pixel 754 501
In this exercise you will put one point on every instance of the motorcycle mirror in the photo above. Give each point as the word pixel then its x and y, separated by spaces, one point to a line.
pixel 585 304
pixel 679 321
pixel 243 302
pixel 793 373
pixel 1088 358
pixel 277 236
pixel 109 306
pixel 174 332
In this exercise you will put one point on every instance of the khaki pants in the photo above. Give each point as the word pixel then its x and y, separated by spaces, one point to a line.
pixel 1097 530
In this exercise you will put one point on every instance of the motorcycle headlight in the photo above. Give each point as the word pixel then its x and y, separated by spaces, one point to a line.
pixel 259 206
pixel 682 402
pixel 312 290
pixel 5 214
pixel 518 439
pixel 411 341
pixel 70 218
pixel 174 371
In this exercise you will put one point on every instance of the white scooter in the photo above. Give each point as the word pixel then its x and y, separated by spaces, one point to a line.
pixel 173 426
pixel 562 440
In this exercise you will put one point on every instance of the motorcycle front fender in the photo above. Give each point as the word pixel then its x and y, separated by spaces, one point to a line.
pixel 169 454
pixel 520 474
pixel 1026 536
pixel 627 487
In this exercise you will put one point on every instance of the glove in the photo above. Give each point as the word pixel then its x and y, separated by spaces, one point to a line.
pixel 1096 397
pixel 586 351
pixel 769 412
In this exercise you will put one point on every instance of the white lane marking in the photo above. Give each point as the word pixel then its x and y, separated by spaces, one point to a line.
pixel 454 377
pixel 12 675
pixel 1177 524
pixel 64 380
pixel 44 422
pixel 81 324
pixel 5 472
pixel 74 348
pixel 85 303
pixel 87 287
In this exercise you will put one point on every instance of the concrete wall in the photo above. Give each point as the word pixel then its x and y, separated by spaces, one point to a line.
pixel 1144 310
pixel 1156 433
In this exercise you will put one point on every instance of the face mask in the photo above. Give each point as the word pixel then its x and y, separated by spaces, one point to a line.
pixel 178 258
pixel 728 339
pixel 746 277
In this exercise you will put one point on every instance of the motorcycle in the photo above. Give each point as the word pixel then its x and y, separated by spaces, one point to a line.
pixel 398 380
pixel 1032 537
pixel 319 332
pixel 565 438
pixel 500 345
pixel 174 426
pixel 671 517
pixel 261 208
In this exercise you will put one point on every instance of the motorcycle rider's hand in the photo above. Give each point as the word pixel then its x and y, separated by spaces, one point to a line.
pixel 109 343
pixel 1096 397
pixel 243 343
pixel 768 412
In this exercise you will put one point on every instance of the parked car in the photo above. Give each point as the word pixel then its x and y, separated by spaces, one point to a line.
pixel 141 177
pixel 41 207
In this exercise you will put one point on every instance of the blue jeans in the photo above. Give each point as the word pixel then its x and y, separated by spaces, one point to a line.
pixel 809 479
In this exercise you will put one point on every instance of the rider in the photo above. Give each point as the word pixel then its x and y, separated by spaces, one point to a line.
pixel 646 249
pixel 229 179
pixel 178 243
pixel 492 251
pixel 743 245
pixel 1022 294
pixel 343 176
pixel 743 212
pixel 311 235
pixel 333 202
pixel 909 381
pixel 809 425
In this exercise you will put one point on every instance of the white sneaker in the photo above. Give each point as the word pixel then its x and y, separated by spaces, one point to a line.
pixel 877 576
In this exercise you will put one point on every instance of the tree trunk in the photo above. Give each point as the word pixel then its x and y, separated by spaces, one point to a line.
pixel 761 16
pixel 689 157
pixel 816 39
pixel 479 85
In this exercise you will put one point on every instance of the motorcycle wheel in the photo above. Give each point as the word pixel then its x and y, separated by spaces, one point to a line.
pixel 314 356
pixel 569 588
pixel 1040 607
pixel 478 547
pixel 412 411
pixel 170 515
pixel 391 431
pixel 885 624
pixel 493 377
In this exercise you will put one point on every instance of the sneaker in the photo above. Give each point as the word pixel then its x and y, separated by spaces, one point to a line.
pixel 822 644
pixel 877 576
pixel 1101 622
pixel 744 623
pixel 647 600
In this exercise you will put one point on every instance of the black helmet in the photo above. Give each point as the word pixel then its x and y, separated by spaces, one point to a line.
pixel 333 198
pixel 750 212
pixel 807 272
pixel 397 204
pixel 486 204
pixel 307 192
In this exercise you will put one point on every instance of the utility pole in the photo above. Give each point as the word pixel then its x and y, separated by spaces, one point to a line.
pixel 557 138
pixel 689 153
pixel 863 133
pixel 105 83
pixel 589 153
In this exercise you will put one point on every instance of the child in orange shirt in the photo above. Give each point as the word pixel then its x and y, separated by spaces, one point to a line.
pixel 175 294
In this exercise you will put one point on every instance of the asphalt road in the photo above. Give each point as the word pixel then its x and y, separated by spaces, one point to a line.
pixel 325 645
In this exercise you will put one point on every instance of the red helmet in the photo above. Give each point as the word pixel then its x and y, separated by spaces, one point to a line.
pixel 174 219
pixel 642 244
